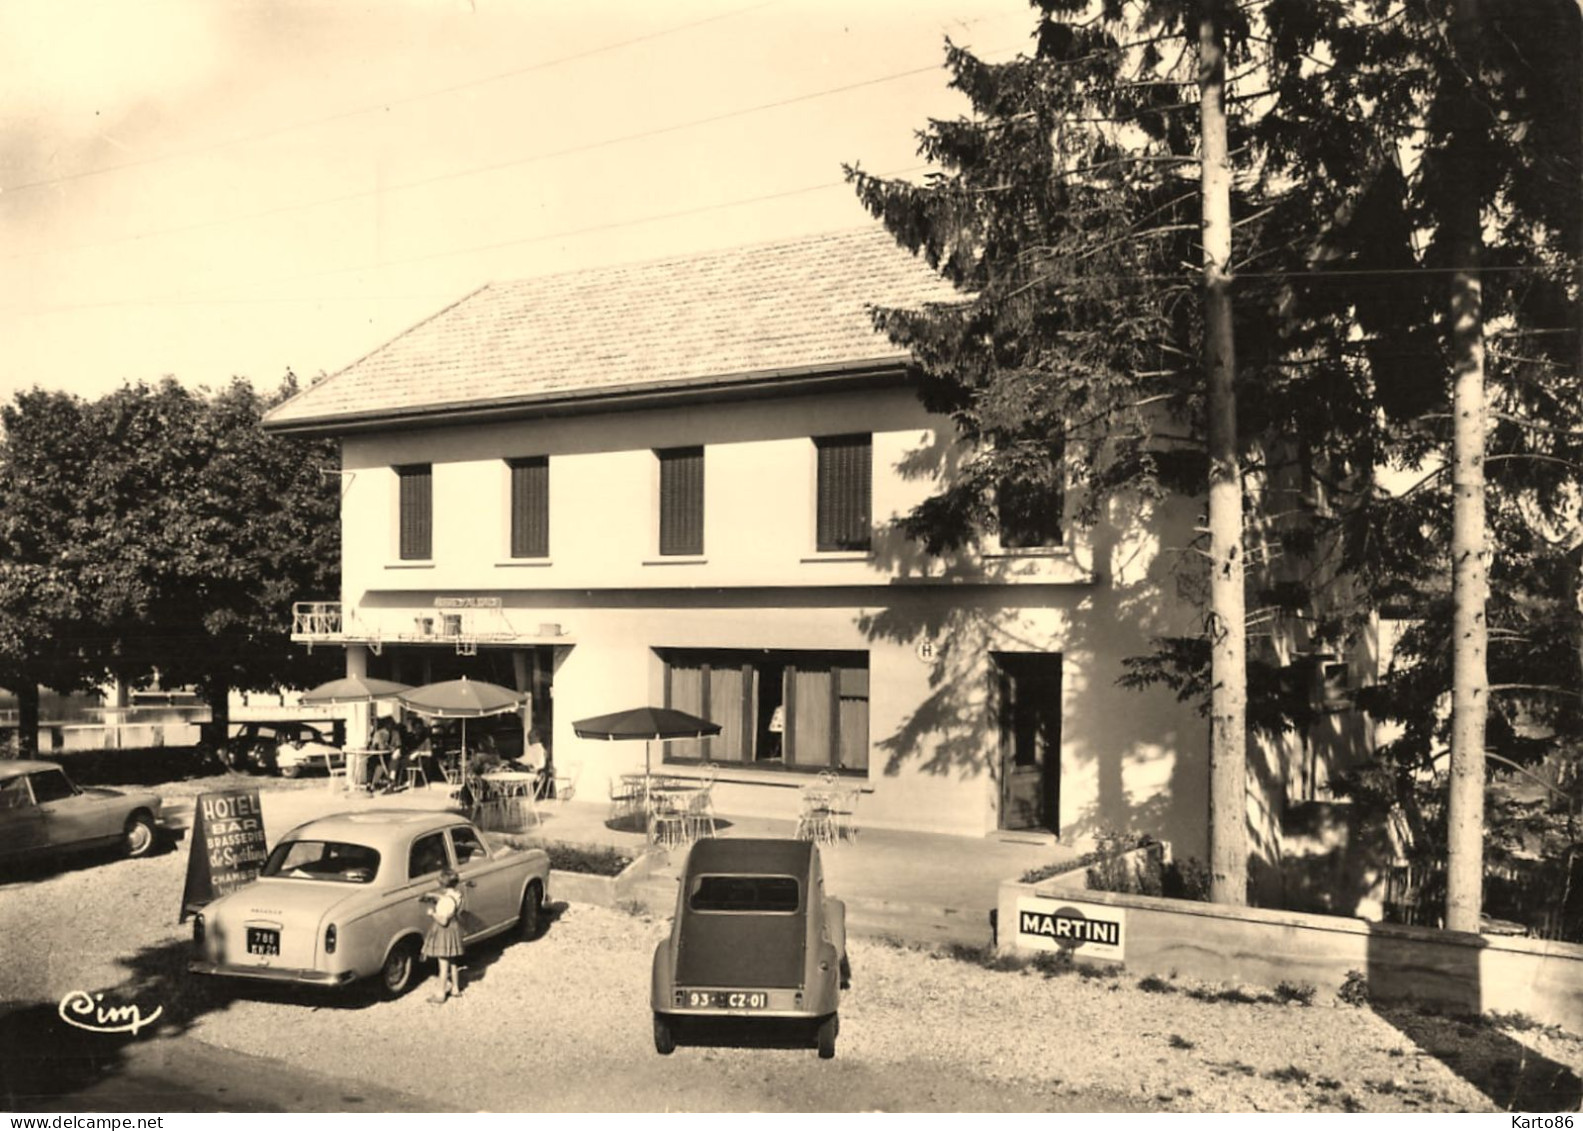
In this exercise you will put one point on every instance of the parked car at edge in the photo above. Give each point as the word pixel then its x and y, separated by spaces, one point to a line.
pixel 339 899
pixel 44 813
pixel 288 747
pixel 755 937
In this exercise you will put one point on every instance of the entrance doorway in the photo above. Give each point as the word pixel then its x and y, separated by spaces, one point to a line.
pixel 1028 704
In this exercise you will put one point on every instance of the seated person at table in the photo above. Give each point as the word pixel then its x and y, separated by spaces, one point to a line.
pixel 383 739
pixel 485 758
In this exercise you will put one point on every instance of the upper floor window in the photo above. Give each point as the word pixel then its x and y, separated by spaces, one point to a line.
pixel 530 507
pixel 845 492
pixel 417 511
pixel 1030 513
pixel 681 500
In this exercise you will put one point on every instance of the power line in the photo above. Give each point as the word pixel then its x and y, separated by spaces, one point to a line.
pixel 478 170
pixel 471 250
pixel 385 105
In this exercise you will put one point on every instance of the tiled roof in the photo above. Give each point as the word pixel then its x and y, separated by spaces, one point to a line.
pixel 756 310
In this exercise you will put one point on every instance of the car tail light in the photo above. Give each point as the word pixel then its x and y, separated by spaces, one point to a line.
pixel 329 939
pixel 197 929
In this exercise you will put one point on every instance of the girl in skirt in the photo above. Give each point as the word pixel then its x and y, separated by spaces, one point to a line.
pixel 444 941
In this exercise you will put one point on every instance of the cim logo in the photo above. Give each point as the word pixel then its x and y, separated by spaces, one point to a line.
pixel 1046 925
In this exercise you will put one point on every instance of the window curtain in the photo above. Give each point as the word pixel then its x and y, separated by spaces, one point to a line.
pixel 852 692
pixel 725 707
pixel 684 690
pixel 812 727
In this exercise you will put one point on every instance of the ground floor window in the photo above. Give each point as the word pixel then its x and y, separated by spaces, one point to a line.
pixel 791 710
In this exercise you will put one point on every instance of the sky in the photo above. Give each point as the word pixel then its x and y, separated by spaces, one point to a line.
pixel 216 188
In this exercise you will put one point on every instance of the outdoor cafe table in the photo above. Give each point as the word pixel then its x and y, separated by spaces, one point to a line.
pixel 513 787
pixel 360 766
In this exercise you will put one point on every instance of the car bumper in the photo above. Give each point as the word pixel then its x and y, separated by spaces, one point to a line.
pixel 272 973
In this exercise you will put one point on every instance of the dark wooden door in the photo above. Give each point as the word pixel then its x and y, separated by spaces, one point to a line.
pixel 1028 688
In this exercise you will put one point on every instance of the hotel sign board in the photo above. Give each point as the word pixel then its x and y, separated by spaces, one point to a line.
pixel 1088 930
pixel 467 602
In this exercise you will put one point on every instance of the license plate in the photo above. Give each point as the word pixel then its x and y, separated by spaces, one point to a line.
pixel 263 940
pixel 727 999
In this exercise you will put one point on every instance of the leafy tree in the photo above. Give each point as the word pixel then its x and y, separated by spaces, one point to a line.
pixel 1081 353
pixel 160 529
pixel 1472 118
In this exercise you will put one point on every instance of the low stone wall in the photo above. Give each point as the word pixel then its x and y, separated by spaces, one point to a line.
pixel 602 891
pixel 1450 970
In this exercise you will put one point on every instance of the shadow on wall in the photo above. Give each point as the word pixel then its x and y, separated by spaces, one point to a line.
pixel 1131 761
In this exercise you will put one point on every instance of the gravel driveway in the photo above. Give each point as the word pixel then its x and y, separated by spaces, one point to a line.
pixel 563 1023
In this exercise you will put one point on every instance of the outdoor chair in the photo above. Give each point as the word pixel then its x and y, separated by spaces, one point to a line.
pixel 817 821
pixel 700 813
pixel 625 800
pixel 565 784
pixel 667 824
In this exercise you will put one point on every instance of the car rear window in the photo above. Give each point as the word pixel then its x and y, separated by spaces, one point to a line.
pixel 763 894
pixel 329 860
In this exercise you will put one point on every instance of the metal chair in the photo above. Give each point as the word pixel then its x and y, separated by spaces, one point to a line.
pixel 816 822
pixel 565 784
pixel 700 813
pixel 625 800
pixel 667 824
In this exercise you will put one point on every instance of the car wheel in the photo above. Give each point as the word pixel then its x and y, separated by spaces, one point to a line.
pixel 531 921
pixel 401 966
pixel 290 771
pixel 138 839
pixel 828 1028
pixel 664 1035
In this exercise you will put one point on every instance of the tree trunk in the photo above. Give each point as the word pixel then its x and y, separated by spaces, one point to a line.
pixel 27 718
pixel 1469 676
pixel 217 693
pixel 1228 805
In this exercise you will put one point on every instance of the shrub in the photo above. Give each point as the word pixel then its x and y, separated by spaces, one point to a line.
pixel 1291 1074
pixel 1286 993
pixel 1354 989
pixel 1108 845
pixel 1177 1042
pixel 1156 985
pixel 1052 963
pixel 1186 879
pixel 589 860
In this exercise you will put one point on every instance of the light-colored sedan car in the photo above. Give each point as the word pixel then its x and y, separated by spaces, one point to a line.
pixel 340 899
pixel 44 813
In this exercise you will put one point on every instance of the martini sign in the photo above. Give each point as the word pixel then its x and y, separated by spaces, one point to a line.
pixel 1088 930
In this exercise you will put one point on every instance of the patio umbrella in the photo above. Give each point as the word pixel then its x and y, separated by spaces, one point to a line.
pixel 353 689
pixel 651 724
pixel 461 699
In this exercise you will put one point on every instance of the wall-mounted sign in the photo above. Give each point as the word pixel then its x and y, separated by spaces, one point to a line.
pixel 928 651
pixel 467 602
pixel 1090 929
pixel 227 846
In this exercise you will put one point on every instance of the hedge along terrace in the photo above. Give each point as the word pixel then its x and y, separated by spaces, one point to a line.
pixel 1463 973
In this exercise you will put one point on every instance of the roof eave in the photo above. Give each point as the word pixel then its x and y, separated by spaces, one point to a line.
pixel 794 381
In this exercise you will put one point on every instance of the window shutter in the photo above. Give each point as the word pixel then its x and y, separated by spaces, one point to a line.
pixel 417 512
pixel 845 490
pixel 530 507
pixel 681 501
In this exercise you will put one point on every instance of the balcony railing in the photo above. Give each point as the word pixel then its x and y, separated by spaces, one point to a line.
pixel 323 622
